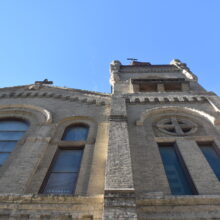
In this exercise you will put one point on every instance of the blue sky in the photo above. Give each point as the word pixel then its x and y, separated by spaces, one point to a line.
pixel 72 42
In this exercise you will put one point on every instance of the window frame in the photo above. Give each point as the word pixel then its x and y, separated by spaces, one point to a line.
pixel 67 145
pixel 158 85
pixel 51 168
pixel 182 164
pixel 16 141
pixel 212 145
pixel 73 126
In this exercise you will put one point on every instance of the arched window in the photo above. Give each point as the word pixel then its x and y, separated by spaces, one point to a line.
pixel 76 133
pixel 11 130
pixel 62 176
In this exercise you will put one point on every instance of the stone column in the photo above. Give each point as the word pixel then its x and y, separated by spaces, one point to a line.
pixel 160 87
pixel 119 189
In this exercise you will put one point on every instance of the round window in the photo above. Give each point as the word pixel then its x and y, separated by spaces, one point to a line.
pixel 176 126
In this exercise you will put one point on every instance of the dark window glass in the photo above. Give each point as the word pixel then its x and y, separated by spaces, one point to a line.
pixel 60 183
pixel 178 178
pixel 10 132
pixel 68 161
pixel 175 87
pixel 148 87
pixel 12 125
pixel 11 135
pixel 76 133
pixel 63 174
pixel 7 146
pixel 212 157
pixel 3 158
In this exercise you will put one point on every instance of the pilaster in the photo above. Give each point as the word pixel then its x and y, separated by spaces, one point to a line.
pixel 119 189
pixel 96 181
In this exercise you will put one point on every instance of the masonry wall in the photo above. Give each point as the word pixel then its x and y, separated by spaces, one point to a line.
pixel 150 180
pixel 121 174
pixel 49 111
pixel 152 197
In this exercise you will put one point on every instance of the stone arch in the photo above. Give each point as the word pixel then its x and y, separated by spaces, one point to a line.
pixel 30 113
pixel 214 119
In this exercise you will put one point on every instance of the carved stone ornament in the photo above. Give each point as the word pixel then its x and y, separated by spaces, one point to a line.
pixel 176 126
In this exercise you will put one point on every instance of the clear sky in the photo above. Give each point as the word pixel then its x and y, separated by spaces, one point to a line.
pixel 72 42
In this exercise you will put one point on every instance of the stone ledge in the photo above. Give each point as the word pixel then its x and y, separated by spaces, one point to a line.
pixel 122 198
pixel 120 194
pixel 116 118
pixel 173 139
pixel 179 200
pixel 38 198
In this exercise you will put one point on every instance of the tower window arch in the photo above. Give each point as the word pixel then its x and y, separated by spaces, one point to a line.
pixel 62 176
pixel 11 131
pixel 178 125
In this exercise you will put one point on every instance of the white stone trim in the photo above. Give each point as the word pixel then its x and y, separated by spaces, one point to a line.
pixel 214 120
pixel 47 115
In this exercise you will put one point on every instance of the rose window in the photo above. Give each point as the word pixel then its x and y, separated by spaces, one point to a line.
pixel 176 126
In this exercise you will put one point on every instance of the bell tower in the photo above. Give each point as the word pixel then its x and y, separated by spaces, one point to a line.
pixel 139 77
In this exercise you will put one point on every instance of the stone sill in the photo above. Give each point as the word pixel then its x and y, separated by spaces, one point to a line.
pixel 163 200
pixel 39 199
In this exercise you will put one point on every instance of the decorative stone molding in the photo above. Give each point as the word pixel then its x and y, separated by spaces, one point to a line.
pixel 163 99
pixel 171 139
pixel 114 70
pixel 39 207
pixel 179 200
pixel 185 70
pixel 86 99
pixel 115 66
pixel 149 69
pixel 38 138
pixel 214 119
pixel 123 201
pixel 77 119
pixel 176 126
pixel 15 109
pixel 213 105
pixel 117 118
pixel 34 87
pixel 64 123
pixel 181 207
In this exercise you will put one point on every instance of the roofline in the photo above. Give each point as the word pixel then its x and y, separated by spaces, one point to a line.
pixel 57 87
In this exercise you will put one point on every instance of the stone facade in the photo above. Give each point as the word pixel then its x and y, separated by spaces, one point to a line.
pixel 121 175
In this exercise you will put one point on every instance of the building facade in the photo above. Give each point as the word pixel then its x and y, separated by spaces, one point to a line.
pixel 148 150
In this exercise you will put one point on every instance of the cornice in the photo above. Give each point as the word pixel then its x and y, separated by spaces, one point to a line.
pixel 184 69
pixel 38 87
pixel 162 99
pixel 149 69
pixel 88 99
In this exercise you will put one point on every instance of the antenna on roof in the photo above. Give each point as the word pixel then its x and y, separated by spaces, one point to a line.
pixel 132 59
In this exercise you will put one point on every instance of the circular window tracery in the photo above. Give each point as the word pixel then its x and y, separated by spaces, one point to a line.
pixel 176 126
